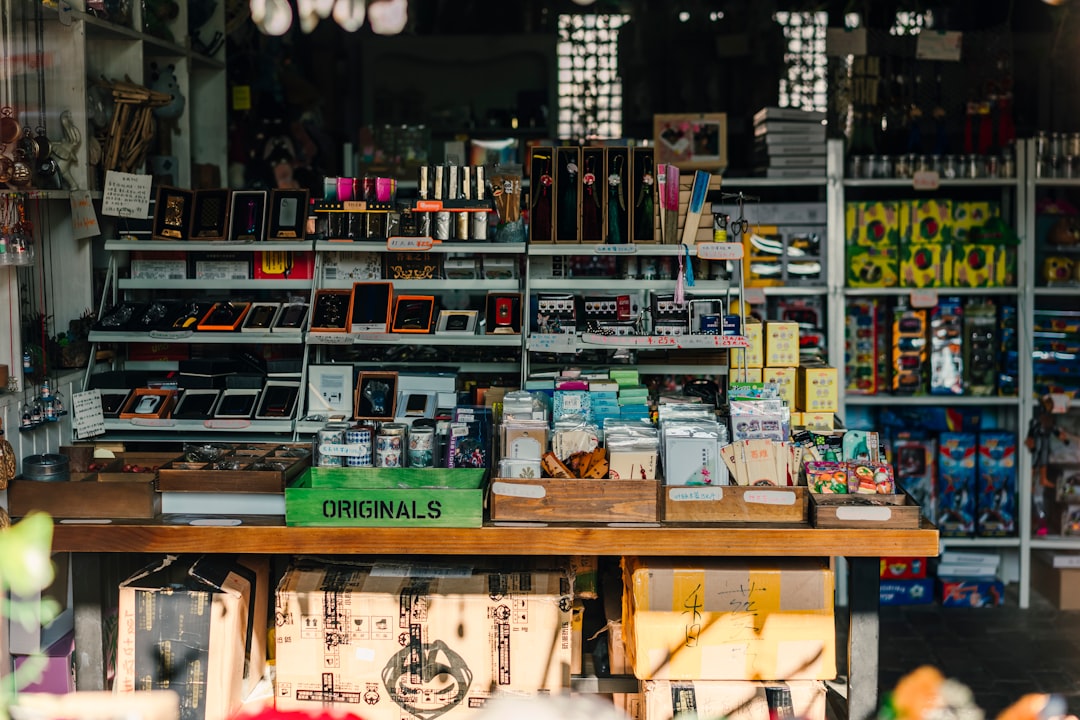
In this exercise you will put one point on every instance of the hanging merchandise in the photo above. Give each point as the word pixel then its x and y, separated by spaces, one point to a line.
pixel 616 203
pixel 20 247
pixel 44 165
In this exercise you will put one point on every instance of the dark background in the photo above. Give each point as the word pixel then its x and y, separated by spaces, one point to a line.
pixel 467 66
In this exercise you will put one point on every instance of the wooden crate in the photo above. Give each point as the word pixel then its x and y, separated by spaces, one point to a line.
pixel 864 511
pixel 574 500
pixel 118 495
pixel 733 503
pixel 180 475
pixel 387 497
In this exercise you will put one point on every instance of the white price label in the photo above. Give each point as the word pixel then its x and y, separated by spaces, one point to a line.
pixel 720 251
pixel 939 45
pixel 168 335
pixel 225 424
pixel 409 243
pixel 863 513
pixel 615 249
pixel 553 342
pixel 84 222
pixel 695 493
pixel 153 422
pixel 507 489
pixel 126 195
pixel 926 180
pixel 754 295
pixel 769 497
pixel 331 338
pixel 924 299
pixel 344 450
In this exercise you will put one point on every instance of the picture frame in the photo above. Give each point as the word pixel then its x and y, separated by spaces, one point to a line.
pixel 503 315
pixel 330 390
pixel 288 215
pixel 173 209
pixel 413 314
pixel 210 216
pixel 237 403
pixel 371 307
pixel 691 141
pixel 457 322
pixel 376 396
pixel 412 404
pixel 278 400
pixel 247 216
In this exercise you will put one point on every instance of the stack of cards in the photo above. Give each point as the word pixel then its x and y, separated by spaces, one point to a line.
pixel 762 462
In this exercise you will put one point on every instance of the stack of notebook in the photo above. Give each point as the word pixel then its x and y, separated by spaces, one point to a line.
pixel 789 143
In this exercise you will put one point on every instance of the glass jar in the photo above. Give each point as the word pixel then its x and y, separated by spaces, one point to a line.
pixel 1042 144
pixel 857 166
pixel 972 167
pixel 904 165
pixel 950 167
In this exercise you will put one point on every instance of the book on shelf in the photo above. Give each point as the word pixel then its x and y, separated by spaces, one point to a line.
pixel 788 114
pixel 779 128
pixel 812 134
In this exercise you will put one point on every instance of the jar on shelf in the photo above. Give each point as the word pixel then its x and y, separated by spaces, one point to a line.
pixel 950 167
pixel 972 167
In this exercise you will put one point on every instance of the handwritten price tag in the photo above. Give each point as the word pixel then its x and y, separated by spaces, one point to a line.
pixel 84 222
pixel 615 249
pixel 343 449
pixel 696 494
pixel 409 243
pixel 126 195
pixel 553 342
pixel 89 418
pixel 770 497
pixel 331 338
pixel 720 251
pixel 924 299
pixel 153 422
pixel 168 335
pixel 354 206
pixel 926 180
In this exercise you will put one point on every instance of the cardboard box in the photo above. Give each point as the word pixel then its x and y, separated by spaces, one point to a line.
pixel 955 496
pixel 819 421
pixel 784 378
pixel 903 568
pixel 284 265
pixel 156 705
pixel 726 619
pixel 351 266
pixel 971 593
pixel 576 625
pixel 872 266
pixel 817 389
pixel 926 222
pixel 872 224
pixel 754 352
pixel 781 344
pixel 194 627
pixel 392 641
pixel 58 675
pixel 906 592
pixel 731 699
pixel 1061 586
pixel 995 502
pixel 26 640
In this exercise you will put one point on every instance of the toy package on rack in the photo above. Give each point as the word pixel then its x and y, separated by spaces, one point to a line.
pixel 956 484
pixel 996 502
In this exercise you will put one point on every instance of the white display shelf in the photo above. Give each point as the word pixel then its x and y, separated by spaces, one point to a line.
pixel 944 182
pixel 644 368
pixel 208 245
pixel 198 338
pixel 462 367
pixel 337 338
pixel 1057 291
pixel 1055 542
pixel 628 249
pixel 941 291
pixel 737 183
pixel 197 426
pixel 1057 182
pixel 979 542
pixel 270 284
pixel 479 285
pixel 933 400
pixel 449 246
pixel 607 284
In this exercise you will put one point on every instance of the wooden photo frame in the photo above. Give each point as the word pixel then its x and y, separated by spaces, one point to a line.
pixel 288 215
pixel 457 322
pixel 376 396
pixel 173 208
pixel 210 216
pixel 413 314
pixel 247 216
pixel 694 141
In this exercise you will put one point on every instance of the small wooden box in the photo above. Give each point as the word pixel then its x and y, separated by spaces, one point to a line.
pixel 574 500
pixel 733 503
pixel 891 512
pixel 206 477
pixel 88 495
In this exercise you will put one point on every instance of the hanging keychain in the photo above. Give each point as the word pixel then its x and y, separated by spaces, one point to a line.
pixel 541 206
pixel 616 202
pixel 590 206
pixel 646 201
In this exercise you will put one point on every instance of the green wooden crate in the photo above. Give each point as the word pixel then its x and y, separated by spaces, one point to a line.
pixel 395 478
pixel 309 506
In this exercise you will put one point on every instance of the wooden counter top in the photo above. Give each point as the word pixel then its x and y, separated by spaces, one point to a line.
pixel 711 540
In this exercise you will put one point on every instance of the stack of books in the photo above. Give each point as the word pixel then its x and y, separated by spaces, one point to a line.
pixel 789 143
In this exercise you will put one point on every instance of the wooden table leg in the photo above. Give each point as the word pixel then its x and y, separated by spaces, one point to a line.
pixel 87 589
pixel 863 635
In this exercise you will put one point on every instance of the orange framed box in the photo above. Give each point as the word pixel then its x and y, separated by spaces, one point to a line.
pixel 371 307
pixel 139 406
pixel 413 314
pixel 216 319
pixel 330 311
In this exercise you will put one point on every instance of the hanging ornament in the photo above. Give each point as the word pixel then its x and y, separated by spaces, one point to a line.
pixel 388 17
pixel 273 17
pixel 349 14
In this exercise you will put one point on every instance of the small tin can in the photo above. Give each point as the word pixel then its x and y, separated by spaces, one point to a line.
pixel 388 458
pixel 359 436
pixel 329 436
pixel 422 447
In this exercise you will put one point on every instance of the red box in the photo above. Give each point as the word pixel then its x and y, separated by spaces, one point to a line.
pixel 283 265
pixel 903 568
pixel 164 350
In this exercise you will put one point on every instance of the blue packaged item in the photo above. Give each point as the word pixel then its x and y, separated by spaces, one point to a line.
pixel 996 500
pixel 906 592
pixel 956 484
pixel 961 592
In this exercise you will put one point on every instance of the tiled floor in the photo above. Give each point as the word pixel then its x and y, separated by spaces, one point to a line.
pixel 1000 653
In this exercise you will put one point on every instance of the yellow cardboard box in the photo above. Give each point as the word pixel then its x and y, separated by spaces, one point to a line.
pixel 750 375
pixel 819 420
pixel 392 642
pixel 817 389
pixel 872 224
pixel 755 353
pixel 731 699
pixel 729 619
pixel 784 377
pixel 781 344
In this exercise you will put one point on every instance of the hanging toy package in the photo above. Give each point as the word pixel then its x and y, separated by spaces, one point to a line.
pixel 506 193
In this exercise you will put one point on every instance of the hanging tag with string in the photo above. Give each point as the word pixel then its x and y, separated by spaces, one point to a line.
pixel 686 275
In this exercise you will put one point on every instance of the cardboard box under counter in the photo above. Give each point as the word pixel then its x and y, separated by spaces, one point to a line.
pixel 754 618
pixel 354 638
pixel 731 699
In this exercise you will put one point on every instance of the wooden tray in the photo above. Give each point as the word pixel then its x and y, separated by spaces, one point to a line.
pixel 119 495
pixel 182 476
pixel 733 503
pixel 574 500
pixel 864 511
pixel 412 506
